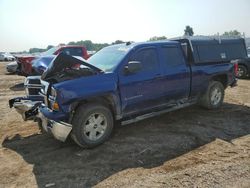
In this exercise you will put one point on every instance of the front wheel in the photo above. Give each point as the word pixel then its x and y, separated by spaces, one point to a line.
pixel 92 125
pixel 214 96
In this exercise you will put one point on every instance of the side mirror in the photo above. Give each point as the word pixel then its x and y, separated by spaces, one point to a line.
pixel 133 67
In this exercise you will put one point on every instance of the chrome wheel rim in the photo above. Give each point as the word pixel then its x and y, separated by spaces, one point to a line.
pixel 216 96
pixel 95 126
pixel 240 72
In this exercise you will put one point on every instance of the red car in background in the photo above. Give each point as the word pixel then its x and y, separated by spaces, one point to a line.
pixel 25 62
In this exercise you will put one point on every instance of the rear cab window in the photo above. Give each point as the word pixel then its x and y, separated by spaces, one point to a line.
pixel 172 56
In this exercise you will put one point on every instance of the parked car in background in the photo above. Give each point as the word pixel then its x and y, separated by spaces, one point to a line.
pixel 243 67
pixel 39 65
pixel 25 63
pixel 12 67
pixel 4 56
pixel 32 84
pixel 128 83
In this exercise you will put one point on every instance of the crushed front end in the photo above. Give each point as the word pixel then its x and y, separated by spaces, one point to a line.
pixel 28 105
pixel 43 102
pixel 54 113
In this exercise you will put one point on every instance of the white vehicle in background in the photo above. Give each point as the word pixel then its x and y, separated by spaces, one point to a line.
pixel 248 51
pixel 12 67
pixel 6 57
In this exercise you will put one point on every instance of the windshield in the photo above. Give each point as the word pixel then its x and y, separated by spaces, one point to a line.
pixel 51 51
pixel 107 58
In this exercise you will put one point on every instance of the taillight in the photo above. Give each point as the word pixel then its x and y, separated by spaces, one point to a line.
pixel 236 68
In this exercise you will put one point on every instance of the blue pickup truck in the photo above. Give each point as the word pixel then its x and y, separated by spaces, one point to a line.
pixel 129 82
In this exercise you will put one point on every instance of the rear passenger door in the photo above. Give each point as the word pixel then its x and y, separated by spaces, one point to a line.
pixel 176 73
pixel 140 91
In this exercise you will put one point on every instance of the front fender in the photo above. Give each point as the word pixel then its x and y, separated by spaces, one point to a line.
pixel 111 100
pixel 72 92
pixel 83 88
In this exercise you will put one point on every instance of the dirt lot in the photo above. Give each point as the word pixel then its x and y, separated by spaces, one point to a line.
pixel 191 147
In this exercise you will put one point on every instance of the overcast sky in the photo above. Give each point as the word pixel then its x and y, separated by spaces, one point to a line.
pixel 38 23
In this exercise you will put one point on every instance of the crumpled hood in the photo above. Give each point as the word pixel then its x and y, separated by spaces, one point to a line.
pixel 63 61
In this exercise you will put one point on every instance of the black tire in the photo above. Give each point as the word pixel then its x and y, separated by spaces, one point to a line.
pixel 214 96
pixel 242 71
pixel 82 117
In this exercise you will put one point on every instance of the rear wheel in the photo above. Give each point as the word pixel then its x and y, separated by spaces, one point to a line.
pixel 242 71
pixel 92 125
pixel 214 96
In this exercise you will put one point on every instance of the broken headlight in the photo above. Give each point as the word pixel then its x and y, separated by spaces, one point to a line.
pixel 54 105
pixel 53 93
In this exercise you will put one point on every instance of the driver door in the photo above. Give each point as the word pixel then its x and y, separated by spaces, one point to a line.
pixel 140 91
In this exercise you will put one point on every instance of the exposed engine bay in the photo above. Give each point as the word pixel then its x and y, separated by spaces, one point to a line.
pixel 65 67
pixel 70 73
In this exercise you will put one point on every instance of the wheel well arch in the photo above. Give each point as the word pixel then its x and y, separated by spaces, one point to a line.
pixel 106 100
pixel 244 65
pixel 221 78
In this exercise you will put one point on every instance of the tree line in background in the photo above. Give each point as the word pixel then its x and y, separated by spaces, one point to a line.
pixel 189 32
pixel 97 46
pixel 87 43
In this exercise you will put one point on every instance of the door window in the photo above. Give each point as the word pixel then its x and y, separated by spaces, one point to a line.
pixel 148 58
pixel 172 56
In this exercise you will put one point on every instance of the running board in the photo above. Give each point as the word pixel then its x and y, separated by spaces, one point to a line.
pixel 153 114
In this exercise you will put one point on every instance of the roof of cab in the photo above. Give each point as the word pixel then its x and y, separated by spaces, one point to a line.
pixel 131 45
pixel 153 43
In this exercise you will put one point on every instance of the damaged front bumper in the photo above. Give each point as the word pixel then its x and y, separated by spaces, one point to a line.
pixel 27 107
pixel 31 110
pixel 59 129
